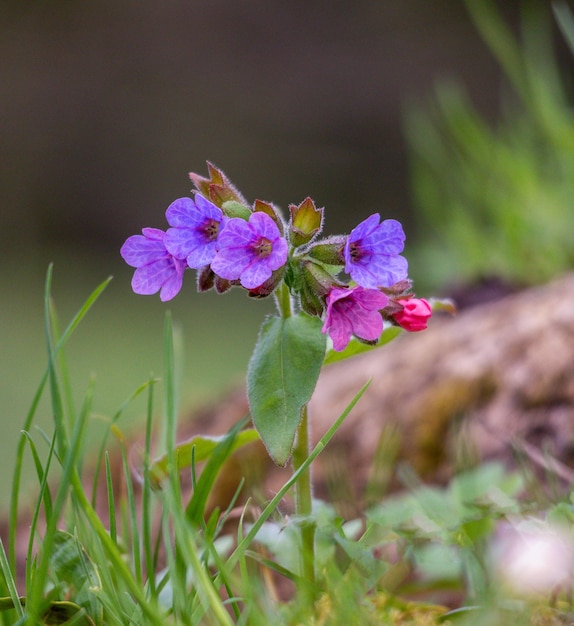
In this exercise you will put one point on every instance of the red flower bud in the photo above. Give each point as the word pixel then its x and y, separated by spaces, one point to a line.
pixel 415 314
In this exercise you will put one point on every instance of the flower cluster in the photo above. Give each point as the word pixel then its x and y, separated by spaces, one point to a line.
pixel 232 243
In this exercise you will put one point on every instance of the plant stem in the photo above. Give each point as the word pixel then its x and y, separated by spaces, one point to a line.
pixel 303 499
pixel 283 300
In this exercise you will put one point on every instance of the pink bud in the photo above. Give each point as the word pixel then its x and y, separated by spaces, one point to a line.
pixel 415 314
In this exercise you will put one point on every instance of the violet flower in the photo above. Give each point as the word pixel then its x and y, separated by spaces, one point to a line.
pixel 354 311
pixel 249 251
pixel 372 253
pixel 195 227
pixel 157 269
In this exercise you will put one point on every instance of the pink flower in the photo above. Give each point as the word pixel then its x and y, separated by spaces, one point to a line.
pixel 415 314
pixel 354 311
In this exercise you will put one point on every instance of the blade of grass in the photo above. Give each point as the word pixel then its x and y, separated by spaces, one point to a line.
pixel 111 500
pixel 111 423
pixel 9 581
pixel 113 553
pixel 132 514
pixel 17 475
pixel 500 40
pixel 73 448
pixel 204 485
pixel 35 516
pixel 41 472
pixel 565 21
pixel 186 540
pixel 149 560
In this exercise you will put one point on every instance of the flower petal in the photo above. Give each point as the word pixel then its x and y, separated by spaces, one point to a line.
pixel 365 228
pixel 139 250
pixel 278 256
pixel 148 279
pixel 388 238
pixel 264 226
pixel 183 213
pixel 382 271
pixel 255 274
pixel 171 287
pixel 366 325
pixel 228 263
pixel 371 299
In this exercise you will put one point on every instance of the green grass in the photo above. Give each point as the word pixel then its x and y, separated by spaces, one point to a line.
pixel 151 557
pixel 494 198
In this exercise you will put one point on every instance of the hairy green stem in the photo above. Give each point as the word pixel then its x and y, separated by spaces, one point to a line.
pixel 303 499
pixel 283 300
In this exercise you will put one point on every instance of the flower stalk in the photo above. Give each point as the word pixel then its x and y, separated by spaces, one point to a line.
pixel 304 499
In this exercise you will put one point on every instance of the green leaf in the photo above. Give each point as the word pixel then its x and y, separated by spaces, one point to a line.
pixel 72 566
pixel 356 347
pixel 64 613
pixel 197 449
pixel 281 378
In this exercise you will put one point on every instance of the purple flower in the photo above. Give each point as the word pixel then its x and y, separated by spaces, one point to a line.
pixel 156 269
pixel 250 251
pixel 195 228
pixel 372 253
pixel 354 311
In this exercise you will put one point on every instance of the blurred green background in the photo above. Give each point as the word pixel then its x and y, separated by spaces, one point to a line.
pixel 104 109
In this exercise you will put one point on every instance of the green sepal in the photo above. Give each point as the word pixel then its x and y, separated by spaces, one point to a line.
pixel 232 208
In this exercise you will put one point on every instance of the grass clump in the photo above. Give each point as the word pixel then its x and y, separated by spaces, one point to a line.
pixel 103 550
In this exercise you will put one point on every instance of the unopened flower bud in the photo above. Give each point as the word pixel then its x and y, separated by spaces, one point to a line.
pixel 414 315
pixel 328 251
pixel 217 188
pixel 317 279
pixel 306 222
pixel 232 208
pixel 398 289
pixel 205 279
pixel 222 284
pixel 310 302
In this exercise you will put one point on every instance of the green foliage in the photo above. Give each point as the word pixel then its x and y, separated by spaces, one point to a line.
pixel 497 201
pixel 152 559
pixel 282 375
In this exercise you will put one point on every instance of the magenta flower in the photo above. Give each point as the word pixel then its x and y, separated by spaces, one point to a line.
pixel 195 228
pixel 250 251
pixel 415 314
pixel 157 269
pixel 354 311
pixel 372 253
